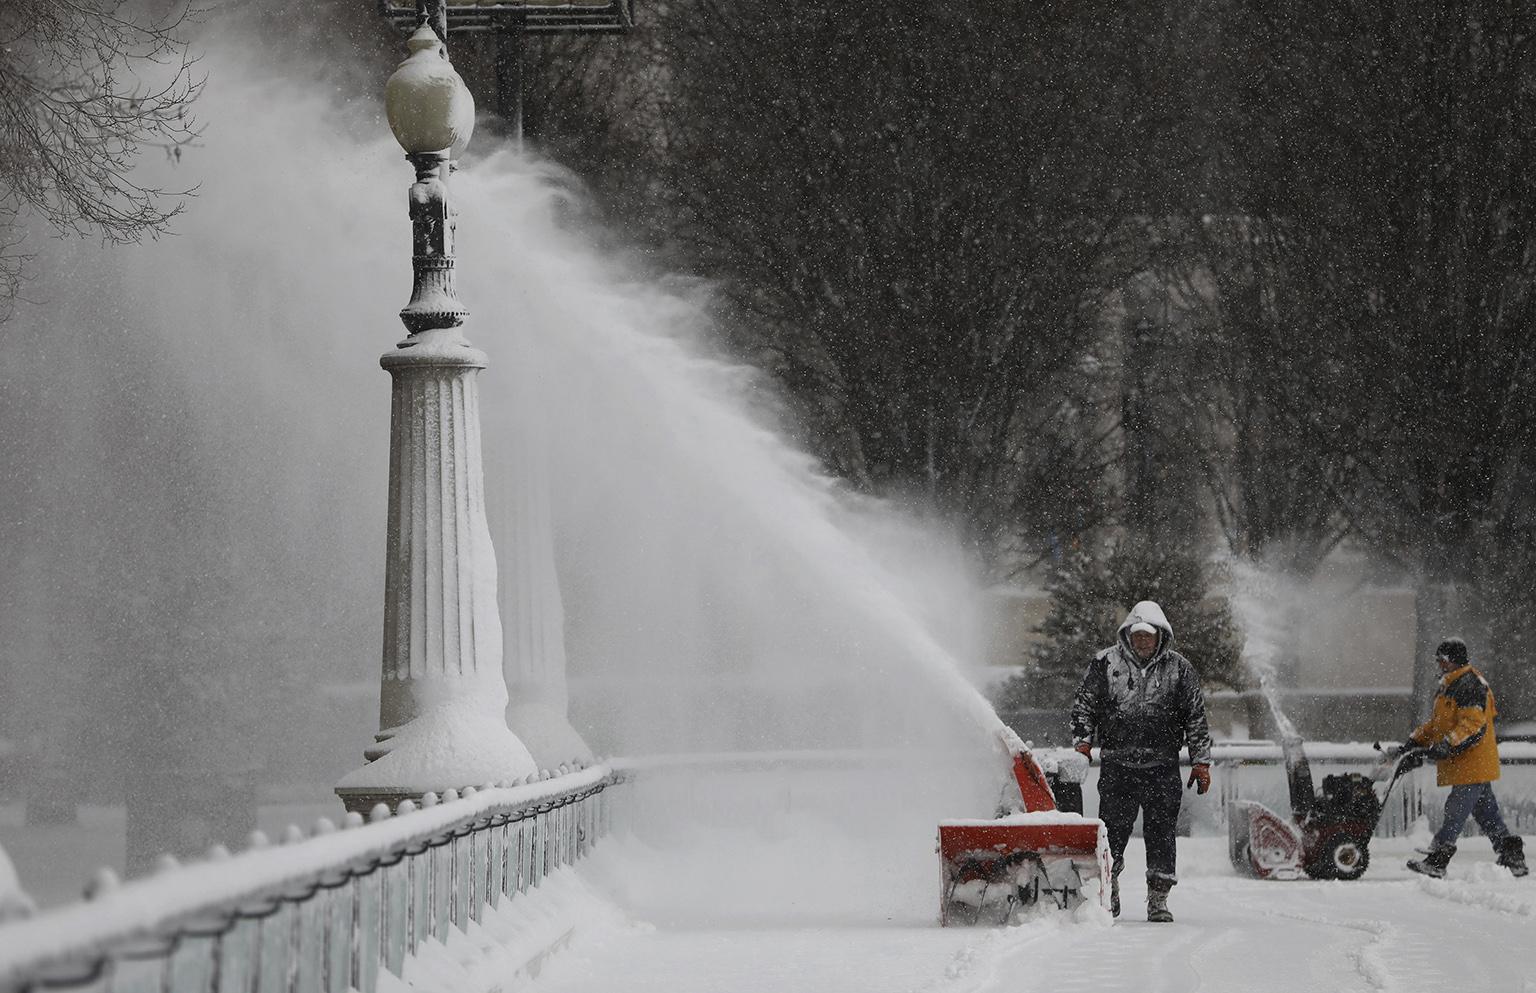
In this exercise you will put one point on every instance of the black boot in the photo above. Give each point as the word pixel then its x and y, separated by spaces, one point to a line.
pixel 1157 903
pixel 1114 887
pixel 1512 855
pixel 1434 863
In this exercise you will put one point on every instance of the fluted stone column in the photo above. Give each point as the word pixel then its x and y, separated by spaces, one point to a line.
pixel 442 694
pixel 442 697
pixel 529 589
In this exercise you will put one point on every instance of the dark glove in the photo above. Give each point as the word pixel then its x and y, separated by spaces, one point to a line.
pixel 1086 747
pixel 1200 777
pixel 1439 750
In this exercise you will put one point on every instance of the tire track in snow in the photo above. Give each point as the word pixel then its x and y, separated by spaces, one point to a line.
pixel 1405 951
pixel 1368 960
pixel 1335 936
pixel 1474 895
pixel 1217 946
pixel 975 968
pixel 1179 970
pixel 1088 957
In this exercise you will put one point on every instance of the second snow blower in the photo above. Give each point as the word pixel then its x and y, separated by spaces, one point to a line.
pixel 993 870
pixel 1326 837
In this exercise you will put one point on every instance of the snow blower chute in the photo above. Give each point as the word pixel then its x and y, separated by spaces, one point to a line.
pixel 1039 857
pixel 1327 837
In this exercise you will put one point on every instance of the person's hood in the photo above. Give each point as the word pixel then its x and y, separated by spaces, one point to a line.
pixel 1146 612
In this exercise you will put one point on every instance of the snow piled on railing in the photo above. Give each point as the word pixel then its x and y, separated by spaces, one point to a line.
pixel 149 906
pixel 1256 750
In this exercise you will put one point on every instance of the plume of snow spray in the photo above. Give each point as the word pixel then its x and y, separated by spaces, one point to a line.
pixel 1261 602
pixel 721 593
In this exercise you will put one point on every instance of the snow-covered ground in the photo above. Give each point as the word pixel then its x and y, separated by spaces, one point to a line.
pixel 763 891
pixel 686 921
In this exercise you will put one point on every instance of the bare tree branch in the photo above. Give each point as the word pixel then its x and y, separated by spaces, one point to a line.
pixel 86 86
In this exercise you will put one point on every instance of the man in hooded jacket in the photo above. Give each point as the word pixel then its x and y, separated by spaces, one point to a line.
pixel 1140 702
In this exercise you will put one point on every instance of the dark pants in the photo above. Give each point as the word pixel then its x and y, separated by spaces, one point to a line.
pixel 1478 801
pixel 1156 793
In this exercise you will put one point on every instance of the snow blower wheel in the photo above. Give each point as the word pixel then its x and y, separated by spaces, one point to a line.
pixel 1343 858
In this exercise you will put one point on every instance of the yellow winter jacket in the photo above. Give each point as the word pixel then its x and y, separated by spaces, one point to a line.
pixel 1463 719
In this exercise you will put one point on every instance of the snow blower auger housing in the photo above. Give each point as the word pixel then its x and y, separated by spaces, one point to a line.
pixel 1327 837
pixel 992 870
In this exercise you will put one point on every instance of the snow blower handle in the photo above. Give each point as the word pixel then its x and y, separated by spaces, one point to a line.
pixel 1404 758
pixel 1410 757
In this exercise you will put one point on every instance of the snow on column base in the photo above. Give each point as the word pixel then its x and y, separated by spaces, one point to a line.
pixel 548 734
pixel 445 748
pixel 14 901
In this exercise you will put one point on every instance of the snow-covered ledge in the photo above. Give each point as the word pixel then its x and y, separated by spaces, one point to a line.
pixel 333 909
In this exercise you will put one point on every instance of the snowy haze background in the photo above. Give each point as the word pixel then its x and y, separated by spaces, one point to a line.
pixel 193 510
pixel 197 435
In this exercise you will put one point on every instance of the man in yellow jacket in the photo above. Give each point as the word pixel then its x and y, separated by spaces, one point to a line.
pixel 1459 737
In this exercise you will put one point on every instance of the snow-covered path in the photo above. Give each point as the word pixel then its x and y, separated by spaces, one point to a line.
pixel 1388 932
pixel 1391 932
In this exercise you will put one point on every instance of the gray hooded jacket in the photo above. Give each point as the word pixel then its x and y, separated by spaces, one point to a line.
pixel 1140 713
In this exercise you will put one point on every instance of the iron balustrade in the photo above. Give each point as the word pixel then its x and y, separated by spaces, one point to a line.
pixel 1255 770
pixel 743 786
pixel 747 786
pixel 319 915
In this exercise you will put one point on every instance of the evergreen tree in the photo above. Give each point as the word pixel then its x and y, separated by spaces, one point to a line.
pixel 1091 595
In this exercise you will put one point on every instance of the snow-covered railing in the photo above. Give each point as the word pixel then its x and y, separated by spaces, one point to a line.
pixel 744 786
pixel 1254 770
pixel 321 914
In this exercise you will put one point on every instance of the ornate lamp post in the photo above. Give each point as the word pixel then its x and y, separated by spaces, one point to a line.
pixel 442 696
pixel 534 660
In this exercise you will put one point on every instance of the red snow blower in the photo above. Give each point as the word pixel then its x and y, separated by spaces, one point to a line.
pixel 1042 857
pixel 1327 837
